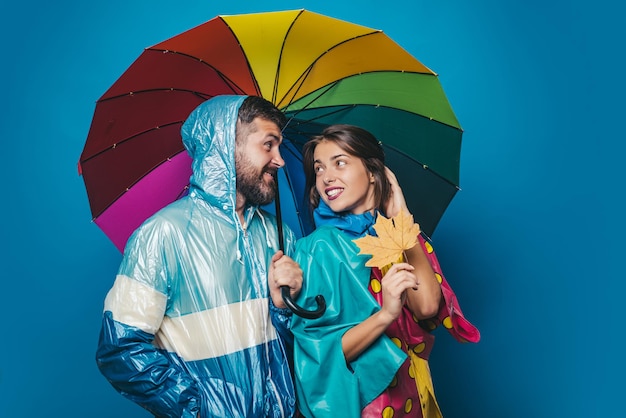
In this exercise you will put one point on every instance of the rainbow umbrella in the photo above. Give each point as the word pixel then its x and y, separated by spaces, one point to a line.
pixel 317 69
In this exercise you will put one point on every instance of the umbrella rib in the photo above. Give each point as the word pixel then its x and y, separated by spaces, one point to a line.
pixel 203 96
pixel 131 138
pixel 280 57
pixel 299 83
pixel 291 151
pixel 233 86
pixel 300 80
pixel 424 166
pixel 328 88
pixel 254 80
pixel 323 92
pixel 178 196
pixel 341 108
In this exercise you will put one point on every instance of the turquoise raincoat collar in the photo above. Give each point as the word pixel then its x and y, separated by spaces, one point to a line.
pixel 354 225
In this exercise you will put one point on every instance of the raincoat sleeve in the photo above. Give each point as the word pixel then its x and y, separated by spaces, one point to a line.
pixel 133 312
pixel 450 314
pixel 326 385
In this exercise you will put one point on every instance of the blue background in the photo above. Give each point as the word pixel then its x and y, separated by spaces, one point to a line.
pixel 530 244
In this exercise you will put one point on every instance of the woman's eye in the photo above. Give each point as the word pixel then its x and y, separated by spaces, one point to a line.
pixel 341 163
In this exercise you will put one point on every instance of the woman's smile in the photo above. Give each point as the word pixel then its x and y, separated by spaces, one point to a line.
pixel 333 192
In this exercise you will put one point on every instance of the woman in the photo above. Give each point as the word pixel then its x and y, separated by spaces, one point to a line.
pixel 367 355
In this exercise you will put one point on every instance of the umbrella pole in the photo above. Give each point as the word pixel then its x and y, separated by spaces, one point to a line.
pixel 285 291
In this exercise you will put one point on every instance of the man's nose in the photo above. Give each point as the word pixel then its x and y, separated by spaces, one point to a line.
pixel 277 160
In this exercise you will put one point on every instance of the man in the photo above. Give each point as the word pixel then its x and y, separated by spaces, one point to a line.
pixel 194 325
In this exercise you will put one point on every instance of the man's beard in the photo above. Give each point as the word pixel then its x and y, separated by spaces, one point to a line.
pixel 251 184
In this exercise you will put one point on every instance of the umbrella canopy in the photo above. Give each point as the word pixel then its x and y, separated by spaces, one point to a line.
pixel 317 69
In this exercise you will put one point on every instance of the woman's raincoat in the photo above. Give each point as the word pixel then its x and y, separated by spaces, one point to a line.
pixel 188 326
pixel 391 377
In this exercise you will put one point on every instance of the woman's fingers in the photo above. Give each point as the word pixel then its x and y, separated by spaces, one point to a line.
pixel 399 278
pixel 396 201
pixel 394 284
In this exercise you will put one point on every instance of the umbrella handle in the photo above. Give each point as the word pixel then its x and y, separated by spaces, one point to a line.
pixel 298 310
pixel 321 303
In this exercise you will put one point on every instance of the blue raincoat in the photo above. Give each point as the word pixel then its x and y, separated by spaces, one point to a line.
pixel 188 327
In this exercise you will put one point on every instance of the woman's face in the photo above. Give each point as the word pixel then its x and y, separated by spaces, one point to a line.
pixel 342 180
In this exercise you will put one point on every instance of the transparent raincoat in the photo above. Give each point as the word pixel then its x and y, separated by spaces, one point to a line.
pixel 188 327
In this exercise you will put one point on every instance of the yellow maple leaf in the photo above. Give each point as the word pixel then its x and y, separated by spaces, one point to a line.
pixel 395 235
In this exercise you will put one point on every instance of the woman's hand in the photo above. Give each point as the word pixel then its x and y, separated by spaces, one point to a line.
pixel 395 283
pixel 396 202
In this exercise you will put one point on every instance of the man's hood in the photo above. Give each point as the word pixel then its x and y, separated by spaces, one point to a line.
pixel 209 137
